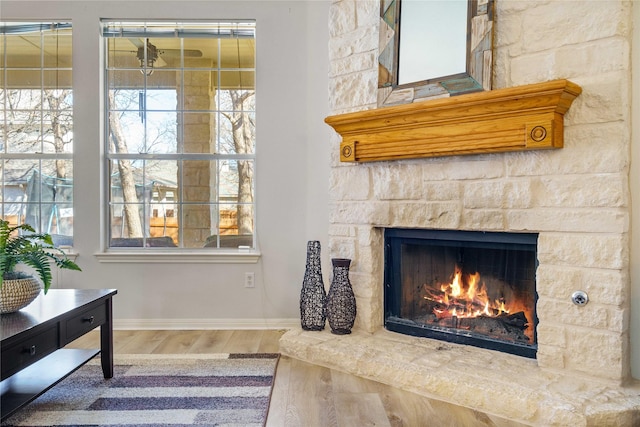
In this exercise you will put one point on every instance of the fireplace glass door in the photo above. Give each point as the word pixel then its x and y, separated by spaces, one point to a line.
pixel 472 288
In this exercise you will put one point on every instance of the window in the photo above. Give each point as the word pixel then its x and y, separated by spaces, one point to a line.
pixel 36 137
pixel 180 134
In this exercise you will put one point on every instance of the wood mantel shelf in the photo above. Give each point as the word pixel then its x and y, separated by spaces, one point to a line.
pixel 520 118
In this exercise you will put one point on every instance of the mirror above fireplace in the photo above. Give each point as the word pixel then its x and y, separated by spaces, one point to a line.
pixel 433 49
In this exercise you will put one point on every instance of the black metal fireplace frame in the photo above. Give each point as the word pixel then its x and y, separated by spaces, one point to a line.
pixel 393 322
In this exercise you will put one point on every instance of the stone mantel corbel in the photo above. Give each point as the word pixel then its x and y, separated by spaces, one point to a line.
pixel 520 118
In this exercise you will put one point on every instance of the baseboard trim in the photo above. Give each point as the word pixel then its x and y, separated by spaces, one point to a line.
pixel 204 324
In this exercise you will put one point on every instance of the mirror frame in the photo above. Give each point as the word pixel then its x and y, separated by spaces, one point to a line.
pixel 479 61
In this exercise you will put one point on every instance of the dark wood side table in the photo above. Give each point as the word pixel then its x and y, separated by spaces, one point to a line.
pixel 32 355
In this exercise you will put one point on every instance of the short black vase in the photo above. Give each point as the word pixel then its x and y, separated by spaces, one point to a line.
pixel 313 297
pixel 341 302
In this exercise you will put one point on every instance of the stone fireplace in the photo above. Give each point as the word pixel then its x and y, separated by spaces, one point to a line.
pixel 575 199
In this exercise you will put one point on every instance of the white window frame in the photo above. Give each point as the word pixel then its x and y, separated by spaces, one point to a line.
pixel 32 27
pixel 164 255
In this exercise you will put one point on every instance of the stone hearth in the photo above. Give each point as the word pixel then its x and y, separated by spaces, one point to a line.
pixel 495 383
pixel 576 198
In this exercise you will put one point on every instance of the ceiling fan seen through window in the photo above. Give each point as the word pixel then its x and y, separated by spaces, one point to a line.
pixel 149 56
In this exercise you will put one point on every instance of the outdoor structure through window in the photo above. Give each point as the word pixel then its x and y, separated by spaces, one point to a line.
pixel 180 133
pixel 36 135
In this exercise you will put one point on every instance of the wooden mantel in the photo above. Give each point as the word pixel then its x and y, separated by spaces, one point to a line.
pixel 514 119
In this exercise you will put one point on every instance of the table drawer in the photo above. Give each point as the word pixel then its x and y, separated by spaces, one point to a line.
pixel 30 350
pixel 82 323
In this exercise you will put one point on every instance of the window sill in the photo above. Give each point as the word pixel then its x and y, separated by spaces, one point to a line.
pixel 65 251
pixel 181 257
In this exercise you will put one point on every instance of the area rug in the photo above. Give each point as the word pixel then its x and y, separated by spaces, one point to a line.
pixel 159 390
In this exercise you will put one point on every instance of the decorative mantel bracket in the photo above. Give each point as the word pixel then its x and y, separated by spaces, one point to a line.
pixel 520 118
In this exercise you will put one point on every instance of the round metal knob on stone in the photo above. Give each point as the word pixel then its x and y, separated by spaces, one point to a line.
pixel 580 298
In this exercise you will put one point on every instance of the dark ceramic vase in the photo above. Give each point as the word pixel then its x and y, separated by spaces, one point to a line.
pixel 313 296
pixel 341 302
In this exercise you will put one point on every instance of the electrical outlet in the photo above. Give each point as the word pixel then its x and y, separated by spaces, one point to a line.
pixel 249 280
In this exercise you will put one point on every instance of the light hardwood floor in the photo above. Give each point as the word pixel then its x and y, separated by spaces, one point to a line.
pixel 305 394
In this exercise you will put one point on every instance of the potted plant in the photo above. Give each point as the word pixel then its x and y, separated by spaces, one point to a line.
pixel 17 288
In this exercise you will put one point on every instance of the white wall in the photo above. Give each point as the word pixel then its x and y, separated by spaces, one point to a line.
pixel 318 152
pixel 291 167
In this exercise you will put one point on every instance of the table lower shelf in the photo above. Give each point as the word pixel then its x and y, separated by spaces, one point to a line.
pixel 24 386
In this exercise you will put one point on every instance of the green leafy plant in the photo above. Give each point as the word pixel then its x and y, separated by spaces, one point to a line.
pixel 34 249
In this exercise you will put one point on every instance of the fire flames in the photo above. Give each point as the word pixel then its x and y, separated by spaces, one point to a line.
pixel 473 301
pixel 466 297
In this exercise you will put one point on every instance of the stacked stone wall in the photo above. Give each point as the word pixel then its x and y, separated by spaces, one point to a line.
pixel 576 198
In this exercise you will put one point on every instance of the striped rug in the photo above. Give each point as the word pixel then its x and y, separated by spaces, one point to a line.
pixel 159 390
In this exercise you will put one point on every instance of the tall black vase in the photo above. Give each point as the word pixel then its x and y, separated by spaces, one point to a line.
pixel 341 302
pixel 313 296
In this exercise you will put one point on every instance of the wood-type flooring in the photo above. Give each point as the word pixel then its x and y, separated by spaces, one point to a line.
pixel 306 395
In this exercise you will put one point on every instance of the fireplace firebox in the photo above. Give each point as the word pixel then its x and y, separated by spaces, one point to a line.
pixel 466 287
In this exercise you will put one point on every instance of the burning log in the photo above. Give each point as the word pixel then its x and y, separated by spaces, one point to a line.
pixel 462 306
pixel 441 313
pixel 431 295
pixel 519 320
pixel 506 326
